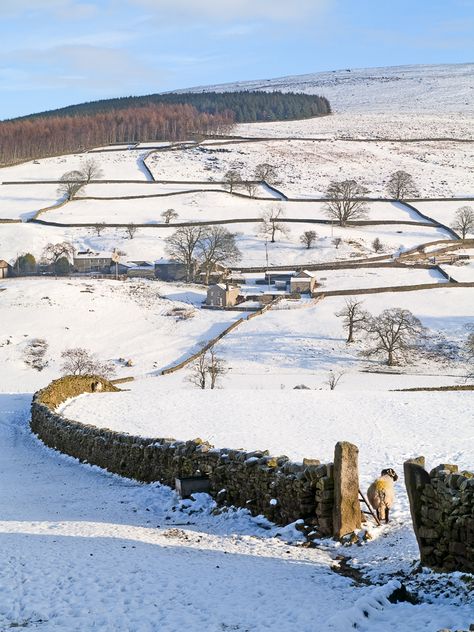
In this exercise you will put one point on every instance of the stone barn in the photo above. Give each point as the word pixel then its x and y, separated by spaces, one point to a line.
pixel 303 282
pixel 222 295
pixel 4 269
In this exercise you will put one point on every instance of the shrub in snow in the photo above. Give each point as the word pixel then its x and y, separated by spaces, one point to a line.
pixel 79 361
pixel 35 353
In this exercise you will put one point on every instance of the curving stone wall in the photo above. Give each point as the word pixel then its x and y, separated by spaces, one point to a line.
pixel 273 486
pixel 442 509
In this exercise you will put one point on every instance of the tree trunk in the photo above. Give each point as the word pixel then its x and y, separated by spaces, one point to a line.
pixel 350 337
pixel 390 361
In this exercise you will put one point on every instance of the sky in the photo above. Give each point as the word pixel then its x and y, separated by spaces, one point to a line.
pixel 60 52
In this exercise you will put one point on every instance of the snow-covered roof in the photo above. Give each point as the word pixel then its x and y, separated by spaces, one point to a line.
pixel 88 254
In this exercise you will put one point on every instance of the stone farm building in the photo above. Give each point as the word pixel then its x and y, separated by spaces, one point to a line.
pixel 303 282
pixel 4 269
pixel 222 295
pixel 88 261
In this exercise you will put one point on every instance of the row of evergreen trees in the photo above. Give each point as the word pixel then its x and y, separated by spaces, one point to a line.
pixel 246 107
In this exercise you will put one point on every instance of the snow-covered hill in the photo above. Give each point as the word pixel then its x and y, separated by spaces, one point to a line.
pixel 421 88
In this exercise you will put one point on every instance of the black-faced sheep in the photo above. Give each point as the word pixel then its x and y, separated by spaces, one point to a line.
pixel 381 493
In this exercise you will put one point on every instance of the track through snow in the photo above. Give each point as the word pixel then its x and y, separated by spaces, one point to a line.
pixel 85 550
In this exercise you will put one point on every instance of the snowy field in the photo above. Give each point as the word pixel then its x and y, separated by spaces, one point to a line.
pixel 100 315
pixel 421 89
pixel 202 207
pixel 306 168
pixel 116 165
pixel 444 212
pixel 23 201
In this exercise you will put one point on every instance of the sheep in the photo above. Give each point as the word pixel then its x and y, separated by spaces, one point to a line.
pixel 381 493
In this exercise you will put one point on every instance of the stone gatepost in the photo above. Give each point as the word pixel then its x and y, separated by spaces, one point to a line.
pixel 346 513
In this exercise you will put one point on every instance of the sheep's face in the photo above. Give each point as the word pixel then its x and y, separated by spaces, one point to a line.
pixel 391 473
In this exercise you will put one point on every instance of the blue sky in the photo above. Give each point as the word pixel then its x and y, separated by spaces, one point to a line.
pixel 58 52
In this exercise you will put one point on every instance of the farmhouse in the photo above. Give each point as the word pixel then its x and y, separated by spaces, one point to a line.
pixel 4 269
pixel 222 295
pixel 303 282
pixel 88 261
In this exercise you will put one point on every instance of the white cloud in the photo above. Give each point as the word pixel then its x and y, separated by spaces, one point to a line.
pixel 222 10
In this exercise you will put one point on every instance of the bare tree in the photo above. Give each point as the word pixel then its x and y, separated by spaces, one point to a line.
pixel 99 228
pixel 337 241
pixel 464 221
pixel 168 215
pixel 377 245
pixel 216 367
pixel 308 238
pixel 53 252
pixel 232 179
pixel 251 188
pixel 396 334
pixel 198 372
pixel 344 201
pixel 80 361
pixel 333 379
pixel 401 186
pixel 354 317
pixel 91 170
pixel 70 184
pixel 131 230
pixel 181 246
pixel 207 365
pixel 271 223
pixel 216 246
pixel 266 172
pixel 470 348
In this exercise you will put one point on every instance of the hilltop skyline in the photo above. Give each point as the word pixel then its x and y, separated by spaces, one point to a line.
pixel 58 52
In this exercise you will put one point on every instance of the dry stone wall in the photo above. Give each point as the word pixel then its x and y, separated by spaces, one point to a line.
pixel 279 489
pixel 442 508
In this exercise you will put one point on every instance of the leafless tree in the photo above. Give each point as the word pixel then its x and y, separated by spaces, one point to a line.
pixel 396 334
pixel 70 184
pixel 251 188
pixel 401 186
pixel 271 223
pixel 266 172
pixel 198 372
pixel 99 228
pixel 53 252
pixel 308 238
pixel 91 170
pixel 131 230
pixel 215 246
pixel 333 379
pixel 464 221
pixel 168 215
pixel 337 241
pixel 232 179
pixel 354 317
pixel 181 246
pixel 470 348
pixel 216 367
pixel 80 361
pixel 377 245
pixel 344 201
pixel 208 366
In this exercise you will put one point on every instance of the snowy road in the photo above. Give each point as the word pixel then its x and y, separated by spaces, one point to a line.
pixel 81 550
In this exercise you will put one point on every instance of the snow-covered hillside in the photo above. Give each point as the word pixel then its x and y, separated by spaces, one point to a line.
pixel 419 88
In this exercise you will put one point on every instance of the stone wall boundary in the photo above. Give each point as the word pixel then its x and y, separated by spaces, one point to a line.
pixel 441 505
pixel 272 486
pixel 394 288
